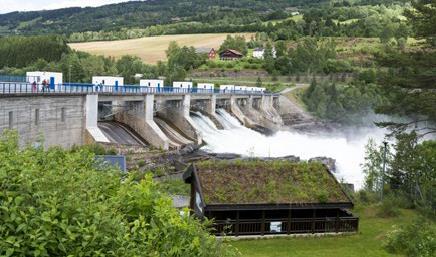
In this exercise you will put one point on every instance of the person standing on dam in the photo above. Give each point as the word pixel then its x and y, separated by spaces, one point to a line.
pixel 44 85
pixel 34 87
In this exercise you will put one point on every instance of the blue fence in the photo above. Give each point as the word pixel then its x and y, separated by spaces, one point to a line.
pixel 79 88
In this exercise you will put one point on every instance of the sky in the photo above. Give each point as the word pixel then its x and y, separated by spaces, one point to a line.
pixel 35 5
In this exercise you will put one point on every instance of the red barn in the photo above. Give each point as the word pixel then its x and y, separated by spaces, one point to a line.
pixel 212 54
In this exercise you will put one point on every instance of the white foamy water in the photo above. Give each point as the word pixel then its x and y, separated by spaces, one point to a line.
pixel 348 150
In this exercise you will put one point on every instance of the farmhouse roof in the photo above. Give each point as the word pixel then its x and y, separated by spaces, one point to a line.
pixel 258 182
pixel 232 51
pixel 202 50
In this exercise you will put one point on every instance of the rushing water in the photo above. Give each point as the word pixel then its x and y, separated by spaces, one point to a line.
pixel 347 148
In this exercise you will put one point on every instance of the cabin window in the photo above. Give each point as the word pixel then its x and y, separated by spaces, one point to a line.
pixel 149 84
pixel 11 120
pixel 63 114
pixel 36 117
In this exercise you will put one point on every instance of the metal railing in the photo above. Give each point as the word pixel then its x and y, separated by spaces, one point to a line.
pixel 12 78
pixel 281 226
pixel 80 88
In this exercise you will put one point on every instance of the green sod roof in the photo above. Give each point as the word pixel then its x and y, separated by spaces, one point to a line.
pixel 268 182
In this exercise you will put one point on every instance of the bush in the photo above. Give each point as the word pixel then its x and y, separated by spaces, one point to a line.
pixel 58 203
pixel 417 239
pixel 367 197
pixel 388 208
pixel 230 65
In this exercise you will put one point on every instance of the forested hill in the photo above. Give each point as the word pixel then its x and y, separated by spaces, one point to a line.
pixel 140 14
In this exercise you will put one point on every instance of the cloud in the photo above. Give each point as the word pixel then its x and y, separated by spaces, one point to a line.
pixel 35 5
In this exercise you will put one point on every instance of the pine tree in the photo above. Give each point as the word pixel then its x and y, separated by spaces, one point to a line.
pixel 410 76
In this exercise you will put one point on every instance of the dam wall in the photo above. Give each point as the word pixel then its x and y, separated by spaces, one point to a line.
pixel 67 119
pixel 55 120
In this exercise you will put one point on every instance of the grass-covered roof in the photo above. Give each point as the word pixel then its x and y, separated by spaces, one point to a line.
pixel 267 182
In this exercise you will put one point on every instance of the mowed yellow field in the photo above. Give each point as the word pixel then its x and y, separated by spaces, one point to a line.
pixel 152 49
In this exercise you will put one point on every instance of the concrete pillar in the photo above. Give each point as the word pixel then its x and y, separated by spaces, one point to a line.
pixel 139 116
pixel 91 110
pixel 276 103
pixel 211 105
pixel 266 106
pixel 234 108
pixel 91 114
pixel 250 102
pixel 177 112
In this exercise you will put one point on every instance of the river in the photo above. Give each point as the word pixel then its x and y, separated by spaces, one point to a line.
pixel 346 147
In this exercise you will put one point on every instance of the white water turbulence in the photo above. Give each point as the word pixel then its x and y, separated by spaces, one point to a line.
pixel 347 149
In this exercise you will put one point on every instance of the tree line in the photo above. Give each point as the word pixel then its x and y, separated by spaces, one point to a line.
pixel 22 51
pixel 140 14
pixel 51 53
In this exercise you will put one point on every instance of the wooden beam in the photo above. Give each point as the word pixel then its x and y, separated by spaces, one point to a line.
pixel 262 224
pixel 229 207
pixel 289 221
pixel 237 224
pixel 313 220
pixel 192 200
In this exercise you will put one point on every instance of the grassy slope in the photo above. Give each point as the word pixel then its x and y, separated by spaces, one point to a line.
pixel 367 243
pixel 152 49
pixel 296 96
pixel 249 81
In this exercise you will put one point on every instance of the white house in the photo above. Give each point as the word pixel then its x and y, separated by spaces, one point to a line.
pixel 52 78
pixel 259 53
pixel 240 88
pixel 139 76
pixel 108 81
pixel 157 83
pixel 182 84
pixel 227 87
pixel 207 86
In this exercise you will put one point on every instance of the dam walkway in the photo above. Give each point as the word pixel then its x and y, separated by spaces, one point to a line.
pixel 7 88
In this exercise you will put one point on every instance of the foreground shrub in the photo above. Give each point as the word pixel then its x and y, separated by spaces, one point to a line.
pixel 417 239
pixel 58 203
pixel 388 208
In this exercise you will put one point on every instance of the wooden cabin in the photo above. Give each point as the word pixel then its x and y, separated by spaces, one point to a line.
pixel 230 54
pixel 254 197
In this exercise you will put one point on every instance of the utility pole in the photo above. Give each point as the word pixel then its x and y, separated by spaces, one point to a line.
pixel 383 170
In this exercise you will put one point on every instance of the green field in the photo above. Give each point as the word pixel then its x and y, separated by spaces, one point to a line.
pixel 366 243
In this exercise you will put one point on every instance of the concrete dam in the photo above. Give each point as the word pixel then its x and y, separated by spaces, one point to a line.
pixel 165 119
